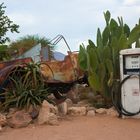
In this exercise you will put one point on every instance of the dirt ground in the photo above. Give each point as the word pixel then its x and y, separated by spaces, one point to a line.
pixel 79 128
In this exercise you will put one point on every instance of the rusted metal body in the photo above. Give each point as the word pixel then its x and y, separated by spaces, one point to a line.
pixel 53 71
pixel 7 67
pixel 65 71
pixel 59 76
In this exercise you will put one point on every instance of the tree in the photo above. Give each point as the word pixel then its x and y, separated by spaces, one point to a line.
pixel 6 25
pixel 3 53
pixel 27 42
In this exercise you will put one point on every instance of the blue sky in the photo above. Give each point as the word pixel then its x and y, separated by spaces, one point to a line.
pixel 76 20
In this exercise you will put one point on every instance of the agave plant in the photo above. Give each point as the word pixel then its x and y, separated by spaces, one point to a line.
pixel 101 61
pixel 26 87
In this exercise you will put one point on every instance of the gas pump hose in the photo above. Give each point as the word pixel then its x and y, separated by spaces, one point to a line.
pixel 117 102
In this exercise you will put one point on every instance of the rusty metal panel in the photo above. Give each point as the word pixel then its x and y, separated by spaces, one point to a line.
pixel 4 64
pixel 62 71
pixel 7 66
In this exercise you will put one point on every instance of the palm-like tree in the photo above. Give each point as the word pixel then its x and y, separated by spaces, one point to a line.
pixel 27 42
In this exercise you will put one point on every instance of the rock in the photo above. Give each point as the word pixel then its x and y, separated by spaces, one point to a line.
pixel 112 112
pixel 62 108
pixel 82 103
pixel 44 112
pixel 34 113
pixel 91 113
pixel 101 111
pixel 0 128
pixel 53 109
pixel 3 120
pixel 53 120
pixel 12 110
pixel 69 102
pixel 77 111
pixel 19 119
pixel 51 97
pixel 46 105
pixel 73 94
pixel 91 108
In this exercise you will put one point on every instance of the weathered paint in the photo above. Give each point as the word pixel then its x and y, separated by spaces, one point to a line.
pixel 7 66
pixel 53 71
pixel 62 71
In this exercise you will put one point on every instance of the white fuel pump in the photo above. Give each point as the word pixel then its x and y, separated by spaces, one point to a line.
pixel 130 82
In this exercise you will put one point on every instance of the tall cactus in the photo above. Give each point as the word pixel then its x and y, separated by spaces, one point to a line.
pixel 102 60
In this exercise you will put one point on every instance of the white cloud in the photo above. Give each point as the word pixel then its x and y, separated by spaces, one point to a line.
pixel 25 19
pixel 77 20
pixel 130 14
pixel 131 2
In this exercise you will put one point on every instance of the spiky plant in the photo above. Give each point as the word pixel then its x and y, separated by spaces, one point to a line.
pixel 26 87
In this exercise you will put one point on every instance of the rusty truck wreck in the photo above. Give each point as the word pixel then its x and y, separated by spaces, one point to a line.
pixel 59 75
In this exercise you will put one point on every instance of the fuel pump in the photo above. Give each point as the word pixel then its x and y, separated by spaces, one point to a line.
pixel 129 88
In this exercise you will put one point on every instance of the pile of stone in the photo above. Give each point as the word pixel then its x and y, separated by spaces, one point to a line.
pixel 83 108
pixel 50 114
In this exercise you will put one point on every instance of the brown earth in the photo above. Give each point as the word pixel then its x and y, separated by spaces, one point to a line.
pixel 79 128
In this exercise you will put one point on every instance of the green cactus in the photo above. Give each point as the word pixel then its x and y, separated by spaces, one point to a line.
pixel 101 61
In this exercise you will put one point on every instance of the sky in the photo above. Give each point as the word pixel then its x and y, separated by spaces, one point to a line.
pixel 76 20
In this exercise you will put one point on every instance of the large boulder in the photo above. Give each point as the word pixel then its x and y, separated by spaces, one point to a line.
pixel 77 111
pixel 53 119
pixel 19 119
pixel 43 116
pixel 47 114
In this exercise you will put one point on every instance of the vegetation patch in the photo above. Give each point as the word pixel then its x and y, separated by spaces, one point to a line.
pixel 26 87
pixel 101 60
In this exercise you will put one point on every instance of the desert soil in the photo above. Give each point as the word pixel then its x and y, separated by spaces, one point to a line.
pixel 79 128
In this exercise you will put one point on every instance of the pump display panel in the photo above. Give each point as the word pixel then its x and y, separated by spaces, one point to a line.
pixel 131 64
